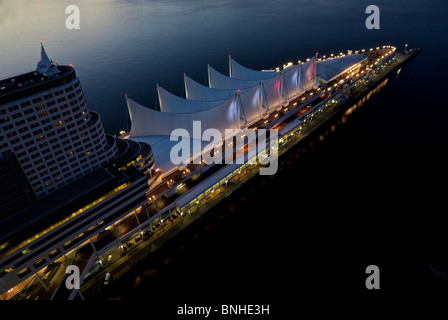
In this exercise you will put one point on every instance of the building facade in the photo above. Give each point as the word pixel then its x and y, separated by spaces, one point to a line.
pixel 64 180
pixel 45 122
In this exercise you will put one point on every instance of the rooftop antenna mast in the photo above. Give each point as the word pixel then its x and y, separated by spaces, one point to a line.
pixel 45 63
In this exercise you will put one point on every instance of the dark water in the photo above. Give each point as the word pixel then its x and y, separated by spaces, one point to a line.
pixel 373 192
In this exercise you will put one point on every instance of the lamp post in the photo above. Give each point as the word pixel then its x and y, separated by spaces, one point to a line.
pixel 405 46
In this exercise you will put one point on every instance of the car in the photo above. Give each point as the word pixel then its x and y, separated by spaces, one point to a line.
pixel 107 279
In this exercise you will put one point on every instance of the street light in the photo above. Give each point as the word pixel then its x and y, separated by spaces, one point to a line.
pixel 405 46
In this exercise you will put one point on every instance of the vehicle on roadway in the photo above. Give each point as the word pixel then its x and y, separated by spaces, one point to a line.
pixel 107 279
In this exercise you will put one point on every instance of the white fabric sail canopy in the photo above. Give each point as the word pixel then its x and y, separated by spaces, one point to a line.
pixel 229 104
pixel 148 122
pixel 272 92
pixel 219 81
pixel 174 104
pixel 291 84
pixel 253 104
pixel 329 69
pixel 238 71
pixel 199 92
pixel 308 74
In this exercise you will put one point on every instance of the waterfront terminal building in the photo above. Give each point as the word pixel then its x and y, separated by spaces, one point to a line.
pixel 74 195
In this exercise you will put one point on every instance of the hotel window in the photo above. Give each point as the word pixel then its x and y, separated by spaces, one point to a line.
pixel 40 107
pixel 9 126
pixel 28 111
pixel 43 173
pixel 5 119
pixel 57 124
pixel 14 108
pixel 11 134
pixel 18 147
pixel 17 115
pixel 70 154
pixel 23 272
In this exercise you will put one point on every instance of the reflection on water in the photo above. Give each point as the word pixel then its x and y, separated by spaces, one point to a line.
pixel 343 118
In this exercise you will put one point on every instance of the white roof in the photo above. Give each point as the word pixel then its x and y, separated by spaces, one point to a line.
pixel 253 104
pixel 199 92
pixel 171 103
pixel 329 69
pixel 219 81
pixel 238 104
pixel 291 82
pixel 238 71
pixel 272 92
pixel 148 122
pixel 308 74
pixel 161 149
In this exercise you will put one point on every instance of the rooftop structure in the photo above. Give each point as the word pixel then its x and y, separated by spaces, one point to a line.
pixel 227 103
pixel 91 221
pixel 330 69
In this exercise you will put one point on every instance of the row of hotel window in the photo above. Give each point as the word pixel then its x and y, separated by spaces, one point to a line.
pixel 47 128
pixel 80 99
pixel 45 97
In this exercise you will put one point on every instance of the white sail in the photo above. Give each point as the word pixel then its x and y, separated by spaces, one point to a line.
pixel 148 122
pixel 219 81
pixel 199 92
pixel 171 103
pixel 238 71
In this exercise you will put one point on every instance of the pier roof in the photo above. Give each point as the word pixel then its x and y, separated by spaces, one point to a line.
pixel 328 70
